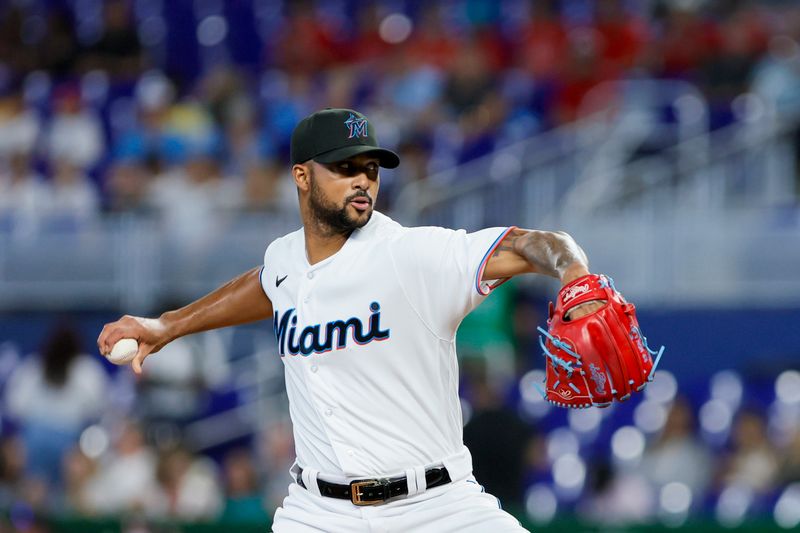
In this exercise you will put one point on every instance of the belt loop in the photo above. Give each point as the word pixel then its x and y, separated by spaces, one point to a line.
pixel 310 479
pixel 419 474
pixel 411 480
pixel 459 466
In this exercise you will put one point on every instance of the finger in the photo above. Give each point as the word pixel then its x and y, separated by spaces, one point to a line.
pixel 112 332
pixel 115 335
pixel 136 365
pixel 101 340
pixel 138 360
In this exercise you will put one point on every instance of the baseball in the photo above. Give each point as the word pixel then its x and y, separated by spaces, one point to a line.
pixel 123 351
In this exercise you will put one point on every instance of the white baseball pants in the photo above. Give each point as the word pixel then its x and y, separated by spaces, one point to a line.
pixel 460 506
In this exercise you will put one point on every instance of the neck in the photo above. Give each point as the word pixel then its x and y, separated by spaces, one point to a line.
pixel 321 240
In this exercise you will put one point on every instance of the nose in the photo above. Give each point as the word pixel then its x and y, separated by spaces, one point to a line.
pixel 361 181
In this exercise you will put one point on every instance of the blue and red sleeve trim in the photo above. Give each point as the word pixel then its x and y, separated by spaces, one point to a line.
pixel 261 279
pixel 479 285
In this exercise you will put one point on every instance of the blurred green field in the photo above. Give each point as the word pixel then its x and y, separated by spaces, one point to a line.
pixel 562 525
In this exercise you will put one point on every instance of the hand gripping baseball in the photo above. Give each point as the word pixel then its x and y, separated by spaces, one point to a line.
pixel 598 357
pixel 150 333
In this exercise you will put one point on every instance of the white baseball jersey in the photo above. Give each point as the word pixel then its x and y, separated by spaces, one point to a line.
pixel 367 337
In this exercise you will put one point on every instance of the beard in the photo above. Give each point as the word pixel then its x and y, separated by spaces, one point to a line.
pixel 329 215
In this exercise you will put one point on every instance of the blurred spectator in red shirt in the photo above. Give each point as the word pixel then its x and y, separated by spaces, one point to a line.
pixel 306 44
pixel 543 42
pixel 685 42
pixel 368 45
pixel 496 50
pixel 620 37
pixel 582 72
pixel 432 42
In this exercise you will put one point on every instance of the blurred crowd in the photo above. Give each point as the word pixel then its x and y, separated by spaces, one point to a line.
pixel 81 438
pixel 169 109
pixel 184 111
pixel 724 447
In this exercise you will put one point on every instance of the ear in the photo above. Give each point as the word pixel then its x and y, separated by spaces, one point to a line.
pixel 302 176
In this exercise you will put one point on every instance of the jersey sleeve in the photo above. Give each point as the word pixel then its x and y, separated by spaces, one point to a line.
pixel 441 270
pixel 264 274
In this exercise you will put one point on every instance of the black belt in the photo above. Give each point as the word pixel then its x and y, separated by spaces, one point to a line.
pixel 375 491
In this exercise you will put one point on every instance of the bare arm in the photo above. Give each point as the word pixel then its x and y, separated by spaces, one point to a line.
pixel 240 301
pixel 553 254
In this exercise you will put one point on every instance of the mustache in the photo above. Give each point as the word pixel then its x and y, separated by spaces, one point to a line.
pixel 360 194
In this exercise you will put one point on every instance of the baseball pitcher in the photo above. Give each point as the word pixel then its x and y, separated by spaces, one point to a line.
pixel 365 313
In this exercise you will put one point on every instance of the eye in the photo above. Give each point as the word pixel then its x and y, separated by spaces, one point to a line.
pixel 343 166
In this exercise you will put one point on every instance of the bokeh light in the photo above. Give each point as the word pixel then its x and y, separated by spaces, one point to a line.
pixel 787 508
pixel 716 416
pixel 532 402
pixel 787 387
pixel 561 441
pixel 541 503
pixel 663 389
pixel 569 474
pixel 94 441
pixel 627 444
pixel 726 385
pixel 675 498
pixel 733 504
pixel 585 422
pixel 395 28
pixel 212 30
pixel 650 416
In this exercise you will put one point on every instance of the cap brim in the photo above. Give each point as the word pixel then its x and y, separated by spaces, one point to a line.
pixel 386 158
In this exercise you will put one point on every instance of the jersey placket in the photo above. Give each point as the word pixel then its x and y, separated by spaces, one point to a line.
pixel 313 370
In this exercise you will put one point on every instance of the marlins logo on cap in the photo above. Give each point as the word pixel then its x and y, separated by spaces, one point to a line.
pixel 357 126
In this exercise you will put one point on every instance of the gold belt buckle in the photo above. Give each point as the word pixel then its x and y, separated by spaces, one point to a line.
pixel 356 495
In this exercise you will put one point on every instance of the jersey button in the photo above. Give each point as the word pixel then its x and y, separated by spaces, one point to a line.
pixel 310 275
pixel 313 368
pixel 328 411
pixel 351 453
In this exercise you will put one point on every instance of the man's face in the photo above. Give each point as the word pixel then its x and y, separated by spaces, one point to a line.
pixel 342 194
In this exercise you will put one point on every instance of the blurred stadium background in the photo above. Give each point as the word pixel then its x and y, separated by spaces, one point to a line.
pixel 143 161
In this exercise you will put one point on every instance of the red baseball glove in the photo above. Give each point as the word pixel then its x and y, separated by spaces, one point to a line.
pixel 597 358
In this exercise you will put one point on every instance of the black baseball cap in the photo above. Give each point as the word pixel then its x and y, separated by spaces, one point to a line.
pixel 333 135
